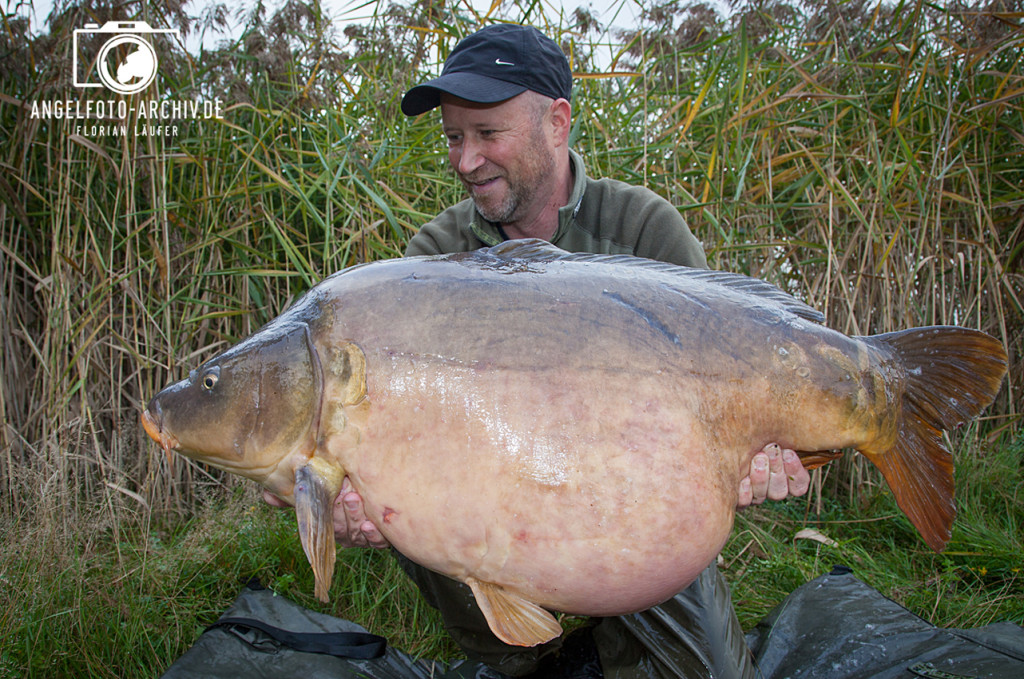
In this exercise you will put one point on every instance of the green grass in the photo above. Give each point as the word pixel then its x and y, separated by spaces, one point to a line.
pixel 866 158
pixel 978 579
pixel 91 601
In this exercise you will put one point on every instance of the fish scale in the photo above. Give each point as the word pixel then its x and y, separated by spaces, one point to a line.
pixel 565 432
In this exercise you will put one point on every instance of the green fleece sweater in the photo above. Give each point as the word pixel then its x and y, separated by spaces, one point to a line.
pixel 603 216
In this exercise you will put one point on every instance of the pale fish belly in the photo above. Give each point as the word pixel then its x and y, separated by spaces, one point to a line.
pixel 574 489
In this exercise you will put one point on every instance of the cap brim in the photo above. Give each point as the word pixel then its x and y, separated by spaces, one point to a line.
pixel 468 86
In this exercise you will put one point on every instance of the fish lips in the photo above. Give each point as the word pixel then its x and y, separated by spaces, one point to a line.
pixel 155 419
pixel 152 422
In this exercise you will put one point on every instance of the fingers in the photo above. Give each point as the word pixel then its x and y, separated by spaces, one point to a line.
pixel 775 474
pixel 778 482
pixel 746 495
pixel 273 500
pixel 759 478
pixel 799 479
pixel 372 536
pixel 351 527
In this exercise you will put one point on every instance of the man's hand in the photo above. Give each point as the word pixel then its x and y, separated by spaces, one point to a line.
pixel 351 527
pixel 775 474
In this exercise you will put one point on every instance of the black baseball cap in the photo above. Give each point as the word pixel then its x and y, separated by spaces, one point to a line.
pixel 494 64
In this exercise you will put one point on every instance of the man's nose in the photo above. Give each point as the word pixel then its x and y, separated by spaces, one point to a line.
pixel 467 157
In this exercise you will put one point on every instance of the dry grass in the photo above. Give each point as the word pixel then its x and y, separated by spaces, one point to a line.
pixel 867 159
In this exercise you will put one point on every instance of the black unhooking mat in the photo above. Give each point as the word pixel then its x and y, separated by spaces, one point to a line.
pixel 837 627
pixel 833 627
pixel 263 635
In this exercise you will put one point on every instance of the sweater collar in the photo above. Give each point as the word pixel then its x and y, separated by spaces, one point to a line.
pixel 489 234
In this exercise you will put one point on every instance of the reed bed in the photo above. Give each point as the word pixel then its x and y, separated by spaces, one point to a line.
pixel 867 158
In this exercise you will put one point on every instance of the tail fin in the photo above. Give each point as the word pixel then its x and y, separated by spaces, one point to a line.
pixel 952 374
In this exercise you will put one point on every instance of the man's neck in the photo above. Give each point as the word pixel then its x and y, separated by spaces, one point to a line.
pixel 544 229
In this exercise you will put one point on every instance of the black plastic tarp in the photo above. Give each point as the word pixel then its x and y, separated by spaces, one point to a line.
pixel 837 627
pixel 834 626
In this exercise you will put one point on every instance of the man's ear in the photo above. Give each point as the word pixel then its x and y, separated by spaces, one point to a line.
pixel 560 117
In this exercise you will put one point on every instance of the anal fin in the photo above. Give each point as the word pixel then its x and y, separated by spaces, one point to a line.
pixel 512 618
pixel 316 486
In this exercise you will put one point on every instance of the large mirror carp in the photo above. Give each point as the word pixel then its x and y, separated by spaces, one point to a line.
pixel 563 431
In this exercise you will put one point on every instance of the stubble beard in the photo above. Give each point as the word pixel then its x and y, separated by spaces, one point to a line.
pixel 538 168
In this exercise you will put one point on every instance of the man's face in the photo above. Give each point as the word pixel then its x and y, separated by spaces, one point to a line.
pixel 500 152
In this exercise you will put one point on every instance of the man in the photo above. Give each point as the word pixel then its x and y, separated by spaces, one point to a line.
pixel 504 97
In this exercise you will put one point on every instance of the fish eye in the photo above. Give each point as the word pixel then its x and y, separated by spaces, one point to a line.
pixel 210 378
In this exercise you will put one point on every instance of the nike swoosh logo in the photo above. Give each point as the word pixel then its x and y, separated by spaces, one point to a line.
pixel 503 63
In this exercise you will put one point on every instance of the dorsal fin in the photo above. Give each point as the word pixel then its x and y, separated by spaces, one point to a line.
pixel 536 250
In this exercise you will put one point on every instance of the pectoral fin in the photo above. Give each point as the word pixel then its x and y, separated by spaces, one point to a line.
pixel 512 618
pixel 316 486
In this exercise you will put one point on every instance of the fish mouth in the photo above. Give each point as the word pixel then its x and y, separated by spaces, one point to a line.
pixel 154 428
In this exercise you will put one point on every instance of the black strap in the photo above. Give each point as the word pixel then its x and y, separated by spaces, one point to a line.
pixel 360 645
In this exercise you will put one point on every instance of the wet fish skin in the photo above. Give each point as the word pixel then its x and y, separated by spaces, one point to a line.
pixel 565 431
